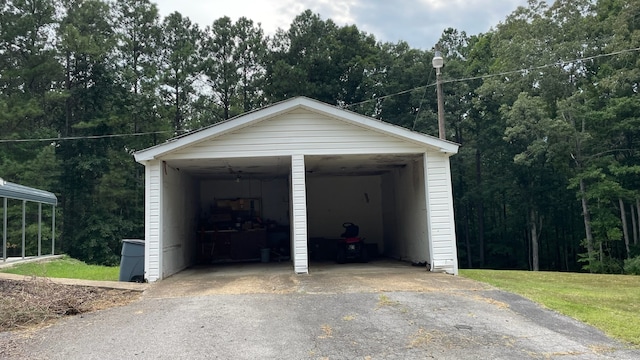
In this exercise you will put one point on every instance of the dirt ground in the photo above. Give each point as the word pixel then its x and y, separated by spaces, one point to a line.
pixel 35 302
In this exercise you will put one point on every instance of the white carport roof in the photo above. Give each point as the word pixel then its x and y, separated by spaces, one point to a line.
pixel 271 111
pixel 20 192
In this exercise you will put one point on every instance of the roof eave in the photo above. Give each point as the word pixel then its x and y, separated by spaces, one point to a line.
pixel 19 192
pixel 216 130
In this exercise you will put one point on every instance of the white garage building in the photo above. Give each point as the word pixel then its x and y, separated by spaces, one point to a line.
pixel 304 166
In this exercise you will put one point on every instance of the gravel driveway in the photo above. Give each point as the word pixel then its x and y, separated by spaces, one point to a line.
pixel 355 312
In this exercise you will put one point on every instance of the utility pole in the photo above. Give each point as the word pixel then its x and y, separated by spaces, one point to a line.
pixel 438 63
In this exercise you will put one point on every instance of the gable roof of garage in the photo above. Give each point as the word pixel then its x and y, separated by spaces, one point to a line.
pixel 283 107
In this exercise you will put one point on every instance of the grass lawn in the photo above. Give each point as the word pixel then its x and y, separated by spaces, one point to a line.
pixel 66 268
pixel 608 302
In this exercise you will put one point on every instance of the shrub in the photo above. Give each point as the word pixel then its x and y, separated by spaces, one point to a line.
pixel 632 266
pixel 605 266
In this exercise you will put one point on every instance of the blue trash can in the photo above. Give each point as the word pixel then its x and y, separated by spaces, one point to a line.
pixel 132 260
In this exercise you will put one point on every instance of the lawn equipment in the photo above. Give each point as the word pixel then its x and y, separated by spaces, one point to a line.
pixel 351 247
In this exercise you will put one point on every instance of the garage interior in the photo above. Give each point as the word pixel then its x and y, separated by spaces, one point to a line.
pixel 231 210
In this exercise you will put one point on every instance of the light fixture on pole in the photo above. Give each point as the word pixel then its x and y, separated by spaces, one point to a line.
pixel 438 63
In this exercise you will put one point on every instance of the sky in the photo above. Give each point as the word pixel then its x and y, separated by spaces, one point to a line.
pixel 418 22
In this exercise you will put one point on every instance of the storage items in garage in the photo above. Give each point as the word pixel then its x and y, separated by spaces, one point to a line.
pixel 232 231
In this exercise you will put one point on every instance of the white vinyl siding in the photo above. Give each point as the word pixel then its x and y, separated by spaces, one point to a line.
pixel 298 131
pixel 440 214
pixel 152 213
pixel 409 239
pixel 299 215
pixel 179 210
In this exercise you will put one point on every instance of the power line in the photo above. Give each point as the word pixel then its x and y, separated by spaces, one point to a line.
pixel 558 63
pixel 82 137
pixel 390 95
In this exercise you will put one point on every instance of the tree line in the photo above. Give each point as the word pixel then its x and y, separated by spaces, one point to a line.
pixel 545 106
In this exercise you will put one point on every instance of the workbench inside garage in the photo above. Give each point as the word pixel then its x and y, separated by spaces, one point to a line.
pixel 233 230
pixel 231 245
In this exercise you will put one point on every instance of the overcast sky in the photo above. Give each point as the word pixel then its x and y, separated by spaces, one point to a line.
pixel 419 22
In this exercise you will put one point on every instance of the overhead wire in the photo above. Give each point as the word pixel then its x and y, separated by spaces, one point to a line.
pixel 558 63
pixel 504 73
pixel 83 137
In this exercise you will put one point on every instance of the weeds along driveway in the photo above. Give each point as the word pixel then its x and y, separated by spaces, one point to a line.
pixel 352 312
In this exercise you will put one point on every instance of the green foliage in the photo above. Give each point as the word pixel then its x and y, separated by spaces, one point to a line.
pixel 606 265
pixel 632 266
pixel 318 59
pixel 179 66
pixel 232 57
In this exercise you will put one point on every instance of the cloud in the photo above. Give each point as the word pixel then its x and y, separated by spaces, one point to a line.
pixel 342 12
pixel 272 14
pixel 419 22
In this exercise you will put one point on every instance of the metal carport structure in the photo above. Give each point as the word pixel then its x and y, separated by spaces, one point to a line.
pixel 10 190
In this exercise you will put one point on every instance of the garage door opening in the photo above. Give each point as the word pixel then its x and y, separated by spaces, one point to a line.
pixel 226 211
pixel 383 194
pixel 239 209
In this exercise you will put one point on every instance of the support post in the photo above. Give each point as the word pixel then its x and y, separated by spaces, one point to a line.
pixel 53 230
pixel 39 229
pixel 24 231
pixel 441 132
pixel 4 232
pixel 298 193
pixel 438 63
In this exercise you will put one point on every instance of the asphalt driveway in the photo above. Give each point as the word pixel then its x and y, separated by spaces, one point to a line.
pixel 377 311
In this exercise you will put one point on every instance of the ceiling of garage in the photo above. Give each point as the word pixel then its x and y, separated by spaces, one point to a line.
pixel 269 167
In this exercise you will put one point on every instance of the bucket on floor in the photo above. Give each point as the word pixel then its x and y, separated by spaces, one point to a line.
pixel 264 255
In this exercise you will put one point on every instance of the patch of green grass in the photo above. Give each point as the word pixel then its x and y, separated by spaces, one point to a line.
pixel 608 302
pixel 66 267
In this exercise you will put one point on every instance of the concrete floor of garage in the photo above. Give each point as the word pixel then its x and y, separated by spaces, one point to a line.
pixel 324 277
